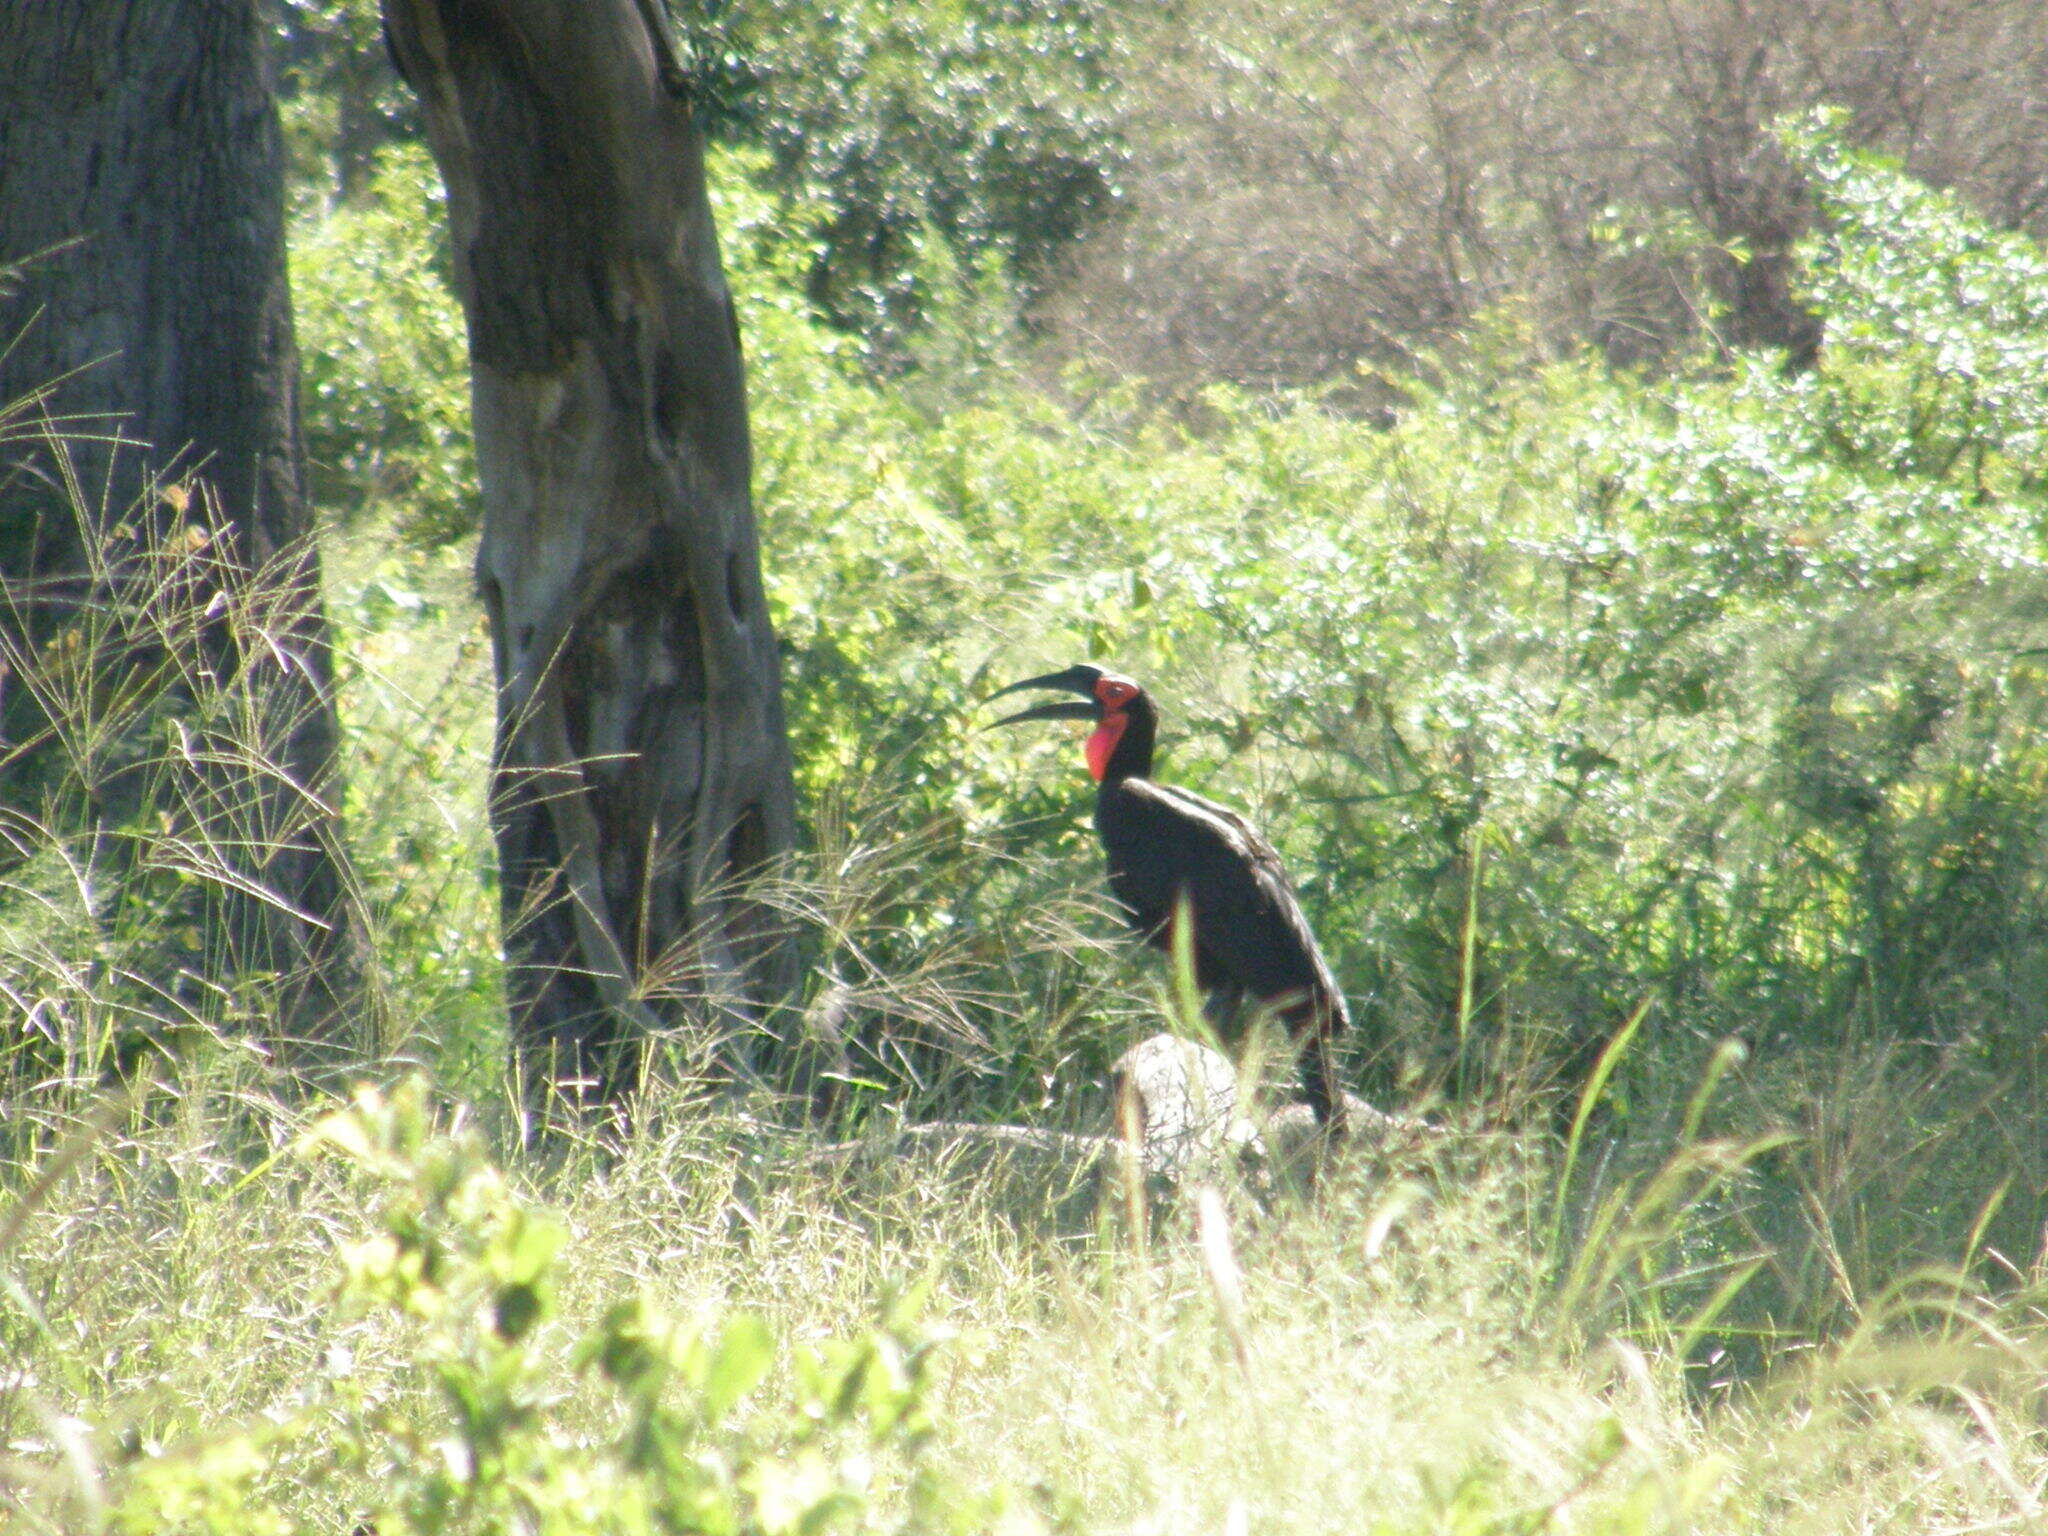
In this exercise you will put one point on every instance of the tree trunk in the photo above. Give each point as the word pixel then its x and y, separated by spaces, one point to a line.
pixel 142 192
pixel 643 768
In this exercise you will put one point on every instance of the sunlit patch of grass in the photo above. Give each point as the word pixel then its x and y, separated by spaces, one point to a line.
pixel 177 1283
pixel 418 708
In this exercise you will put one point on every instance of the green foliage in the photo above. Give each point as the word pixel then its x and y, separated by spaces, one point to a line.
pixel 417 717
pixel 1564 693
pixel 220 1313
pixel 339 97
pixel 977 133
pixel 473 1432
pixel 384 351
pixel 1725 679
pixel 1948 309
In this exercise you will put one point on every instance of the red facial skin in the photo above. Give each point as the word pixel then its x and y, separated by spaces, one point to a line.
pixel 1103 742
pixel 1113 693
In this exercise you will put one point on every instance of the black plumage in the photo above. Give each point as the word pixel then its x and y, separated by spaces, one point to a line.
pixel 1165 845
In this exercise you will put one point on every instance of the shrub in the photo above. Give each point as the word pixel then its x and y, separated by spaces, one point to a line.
pixel 1564 690
pixel 385 353
pixel 1561 692
pixel 475 1430
pixel 975 132
pixel 1316 189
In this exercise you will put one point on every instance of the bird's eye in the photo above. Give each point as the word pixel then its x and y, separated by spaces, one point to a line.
pixel 1114 693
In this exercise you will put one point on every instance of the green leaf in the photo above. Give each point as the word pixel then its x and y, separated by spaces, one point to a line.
pixel 745 1351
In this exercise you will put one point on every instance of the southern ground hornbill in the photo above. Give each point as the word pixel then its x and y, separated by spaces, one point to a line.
pixel 1166 845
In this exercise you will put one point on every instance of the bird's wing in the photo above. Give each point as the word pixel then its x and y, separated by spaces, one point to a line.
pixel 1163 841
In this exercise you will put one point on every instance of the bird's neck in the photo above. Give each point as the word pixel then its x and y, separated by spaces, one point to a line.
pixel 1122 745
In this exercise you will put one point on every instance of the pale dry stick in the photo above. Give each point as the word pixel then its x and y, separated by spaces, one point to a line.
pixel 1219 1263
pixel 1392 1209
pixel 1130 1124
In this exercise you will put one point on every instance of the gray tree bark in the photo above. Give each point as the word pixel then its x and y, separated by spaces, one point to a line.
pixel 643 767
pixel 142 197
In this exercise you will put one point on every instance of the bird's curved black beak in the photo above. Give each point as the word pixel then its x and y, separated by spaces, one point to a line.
pixel 1076 679
pixel 1065 709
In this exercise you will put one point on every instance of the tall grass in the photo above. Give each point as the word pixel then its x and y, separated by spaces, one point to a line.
pixel 212 1323
pixel 169 856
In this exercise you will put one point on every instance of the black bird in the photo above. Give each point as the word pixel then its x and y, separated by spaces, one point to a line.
pixel 1166 845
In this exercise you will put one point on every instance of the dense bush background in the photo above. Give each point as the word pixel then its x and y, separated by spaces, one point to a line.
pixel 1591 518
pixel 1566 690
pixel 1263 193
pixel 1333 187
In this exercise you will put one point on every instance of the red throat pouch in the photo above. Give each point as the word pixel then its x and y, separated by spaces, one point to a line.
pixel 1103 743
